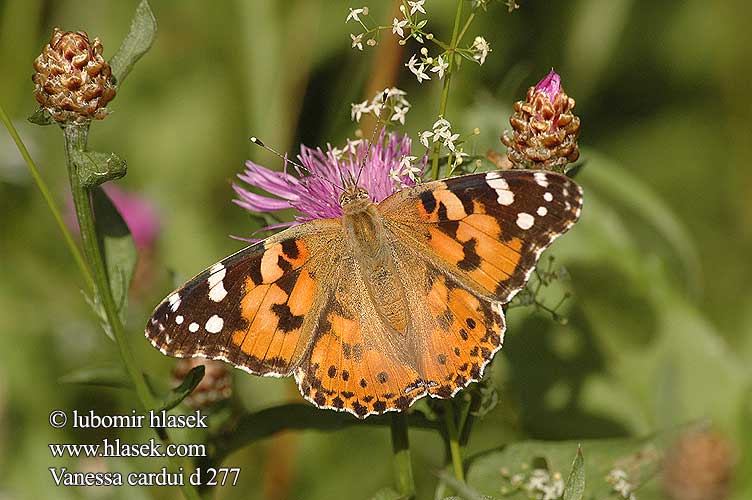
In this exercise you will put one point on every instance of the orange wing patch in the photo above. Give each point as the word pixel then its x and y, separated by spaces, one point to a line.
pixel 348 370
pixel 468 332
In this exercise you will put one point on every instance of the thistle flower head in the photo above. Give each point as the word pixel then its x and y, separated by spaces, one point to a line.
pixel 315 191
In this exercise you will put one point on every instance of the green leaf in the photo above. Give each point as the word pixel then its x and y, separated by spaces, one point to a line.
pixel 179 393
pixel 639 458
pixel 104 376
pixel 117 247
pixel 137 42
pixel 96 168
pixel 575 487
pixel 41 117
pixel 251 427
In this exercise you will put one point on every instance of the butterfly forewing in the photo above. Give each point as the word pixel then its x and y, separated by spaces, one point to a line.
pixel 253 309
pixel 486 229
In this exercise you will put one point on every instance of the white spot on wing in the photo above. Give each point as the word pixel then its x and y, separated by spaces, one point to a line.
pixel 214 324
pixel 495 182
pixel 217 290
pixel 193 327
pixel 525 221
pixel 542 211
pixel 179 319
pixel 548 196
pixel 174 300
pixel 541 179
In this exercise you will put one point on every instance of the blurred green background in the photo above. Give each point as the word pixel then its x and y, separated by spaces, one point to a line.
pixel 660 325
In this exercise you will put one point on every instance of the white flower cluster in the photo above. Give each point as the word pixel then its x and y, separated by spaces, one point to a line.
pixel 390 99
pixel 417 66
pixel 617 478
pixel 480 49
pixel 406 167
pixel 357 40
pixel 442 132
pixel 540 484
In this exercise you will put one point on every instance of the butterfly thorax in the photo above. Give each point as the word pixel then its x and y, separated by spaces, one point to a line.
pixel 372 251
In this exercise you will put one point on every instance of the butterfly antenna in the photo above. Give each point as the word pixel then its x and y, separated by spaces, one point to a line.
pixel 287 160
pixel 384 97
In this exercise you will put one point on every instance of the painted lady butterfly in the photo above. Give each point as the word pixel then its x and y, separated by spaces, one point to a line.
pixel 387 304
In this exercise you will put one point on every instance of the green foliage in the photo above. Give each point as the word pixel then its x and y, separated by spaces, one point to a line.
pixel 116 246
pixel 136 43
pixel 494 471
pixel 575 487
pixel 96 168
pixel 182 391
pixel 112 376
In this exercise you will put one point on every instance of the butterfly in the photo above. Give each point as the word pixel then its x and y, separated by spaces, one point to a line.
pixel 384 305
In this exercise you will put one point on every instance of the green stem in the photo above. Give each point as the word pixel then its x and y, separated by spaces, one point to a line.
pixel 465 27
pixel 403 469
pixel 454 440
pixel 447 82
pixel 49 199
pixel 75 141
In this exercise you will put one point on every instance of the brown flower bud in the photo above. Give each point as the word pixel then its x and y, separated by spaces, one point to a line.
pixel 216 385
pixel 699 466
pixel 73 81
pixel 544 129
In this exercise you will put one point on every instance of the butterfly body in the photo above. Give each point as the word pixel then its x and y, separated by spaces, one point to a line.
pixel 386 304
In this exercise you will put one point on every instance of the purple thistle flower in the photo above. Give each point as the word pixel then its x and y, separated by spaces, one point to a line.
pixel 314 193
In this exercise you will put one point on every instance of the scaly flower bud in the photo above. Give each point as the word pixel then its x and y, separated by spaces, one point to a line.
pixel 73 81
pixel 216 385
pixel 545 130
pixel 699 466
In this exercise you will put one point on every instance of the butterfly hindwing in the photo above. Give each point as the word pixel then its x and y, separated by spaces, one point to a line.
pixel 252 309
pixel 356 363
pixel 488 229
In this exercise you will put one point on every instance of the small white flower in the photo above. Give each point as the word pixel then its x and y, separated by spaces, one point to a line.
pixel 411 63
pixel 538 480
pixel 397 26
pixel 399 114
pixel 352 145
pixel 440 66
pixel 460 156
pixel 406 162
pixel 416 6
pixel 441 124
pixel 357 41
pixel 421 74
pixel 517 480
pixel 396 176
pixel 336 152
pixel 354 13
pixel 449 141
pixel 425 136
pixel 418 71
pixel 357 110
pixel 481 49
